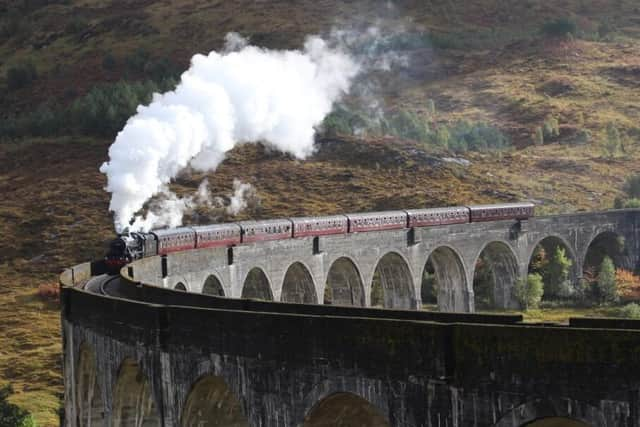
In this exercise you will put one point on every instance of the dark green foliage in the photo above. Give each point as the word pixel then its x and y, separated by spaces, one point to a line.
pixel 106 108
pixel 343 121
pixel 606 284
pixel 137 60
pixel 483 283
pixel 630 311
pixel 622 203
pixel 460 137
pixel 631 200
pixel 101 112
pixel 161 69
pixel 21 75
pixel 141 63
pixel 12 415
pixel 480 136
pixel 560 27
pixel 429 287
pixel 377 292
pixel 557 274
pixel 632 187
pixel 407 125
pixel 554 267
pixel 44 121
pixel 529 291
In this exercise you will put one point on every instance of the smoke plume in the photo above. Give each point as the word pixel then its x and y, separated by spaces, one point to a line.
pixel 244 94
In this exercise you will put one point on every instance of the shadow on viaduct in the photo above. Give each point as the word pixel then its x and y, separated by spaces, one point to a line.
pixel 145 354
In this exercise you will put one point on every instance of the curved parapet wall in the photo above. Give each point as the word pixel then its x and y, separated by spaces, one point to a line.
pixel 190 359
pixel 280 360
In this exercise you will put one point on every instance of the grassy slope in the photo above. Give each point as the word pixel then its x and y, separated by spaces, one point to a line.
pixel 54 191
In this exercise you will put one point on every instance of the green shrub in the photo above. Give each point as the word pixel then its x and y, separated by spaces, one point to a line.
pixel 632 187
pixel 10 414
pixel 442 137
pixel 606 285
pixel 346 122
pixel 106 108
pixel 429 288
pixel 560 27
pixel 529 291
pixel 483 284
pixel 479 136
pixel 557 272
pixel 137 60
pixel 622 203
pixel 101 112
pixel 408 125
pixel 140 62
pixel 21 75
pixel 161 69
pixel 630 311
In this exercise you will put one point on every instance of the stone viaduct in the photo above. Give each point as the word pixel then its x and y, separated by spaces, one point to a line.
pixel 301 270
pixel 138 351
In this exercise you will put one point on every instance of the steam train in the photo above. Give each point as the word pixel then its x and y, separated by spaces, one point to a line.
pixel 128 247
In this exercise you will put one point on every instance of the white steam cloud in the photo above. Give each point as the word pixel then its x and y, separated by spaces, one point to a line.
pixel 168 210
pixel 245 94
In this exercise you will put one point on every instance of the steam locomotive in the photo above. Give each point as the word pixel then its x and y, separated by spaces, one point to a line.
pixel 128 247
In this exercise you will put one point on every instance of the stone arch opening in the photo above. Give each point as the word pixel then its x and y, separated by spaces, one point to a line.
pixel 298 285
pixel 606 244
pixel 88 393
pixel 444 282
pixel 556 264
pixel 495 276
pixel 556 422
pixel 212 286
pixel 133 404
pixel 180 287
pixel 212 403
pixel 256 286
pixel 392 285
pixel 344 410
pixel 344 284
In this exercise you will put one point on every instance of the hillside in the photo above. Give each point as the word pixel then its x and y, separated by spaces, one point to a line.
pixel 499 62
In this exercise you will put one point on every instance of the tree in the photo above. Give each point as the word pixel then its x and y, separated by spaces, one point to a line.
pixel 529 291
pixel 11 415
pixel 606 283
pixel 557 274
pixel 442 137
